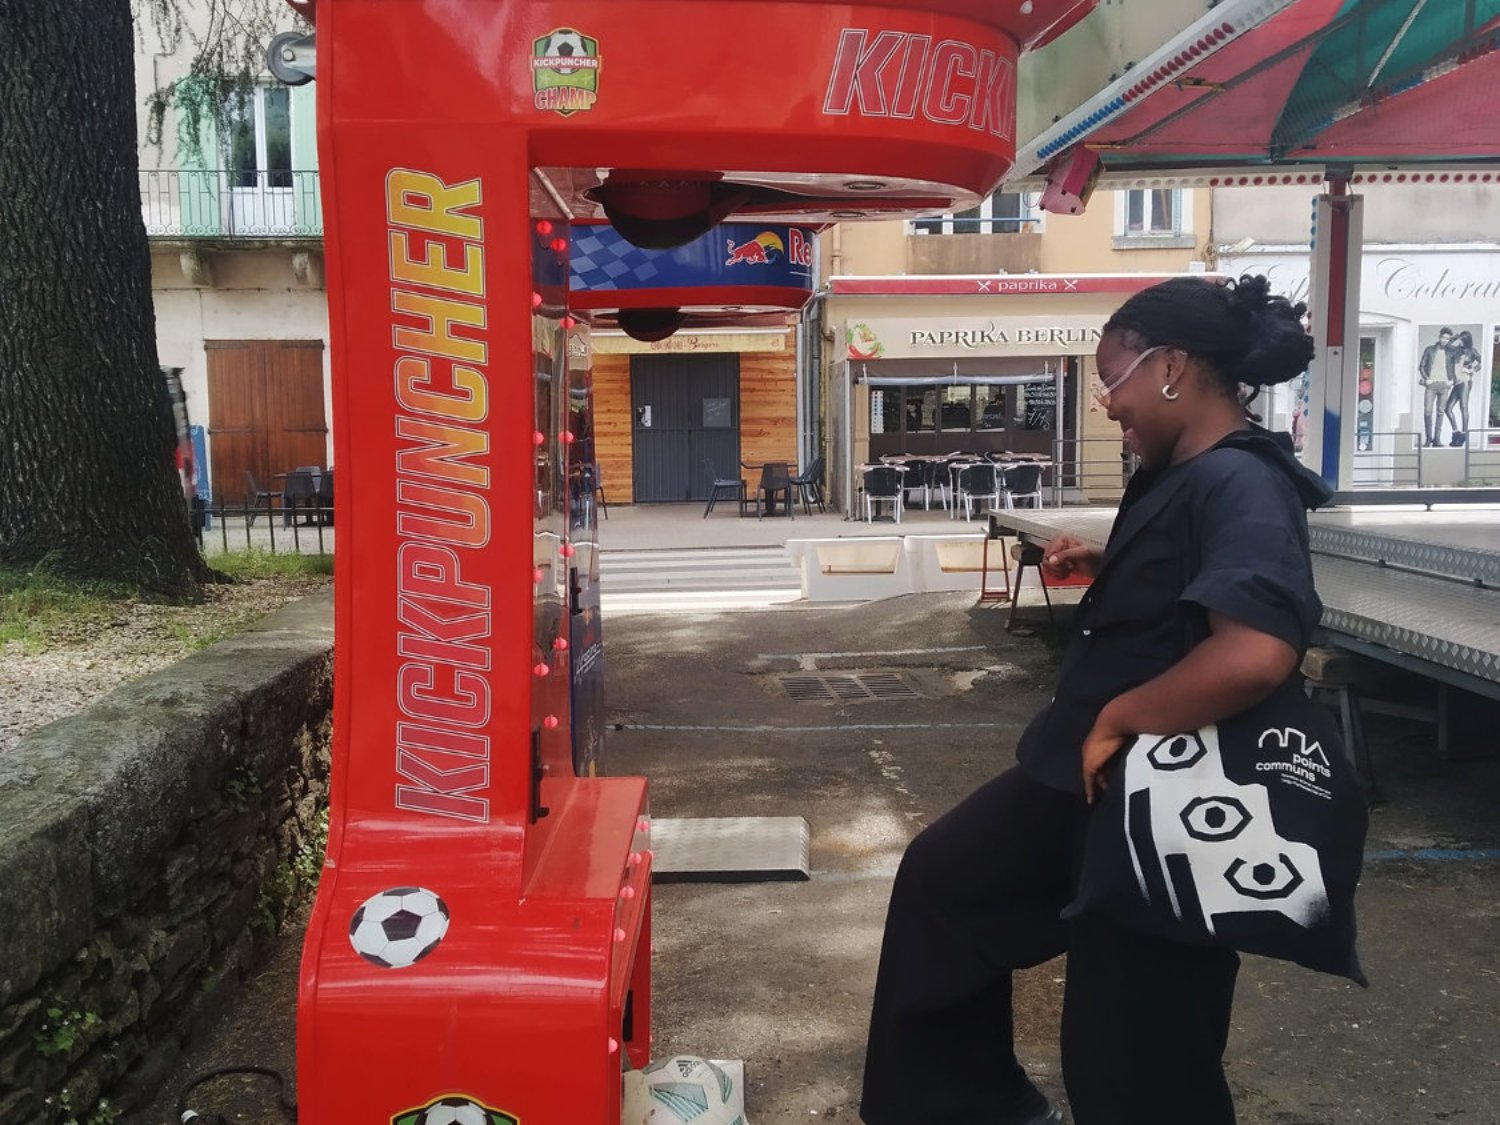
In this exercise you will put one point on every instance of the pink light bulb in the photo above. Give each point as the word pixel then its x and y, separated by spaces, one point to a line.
pixel 550 722
pixel 538 438
pixel 560 644
pixel 542 670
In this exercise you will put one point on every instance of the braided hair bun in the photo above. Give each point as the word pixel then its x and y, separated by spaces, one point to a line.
pixel 1239 329
pixel 1277 346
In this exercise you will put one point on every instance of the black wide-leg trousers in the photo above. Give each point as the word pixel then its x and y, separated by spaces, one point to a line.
pixel 1145 1021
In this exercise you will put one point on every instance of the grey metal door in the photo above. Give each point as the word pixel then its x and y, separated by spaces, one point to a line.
pixel 686 412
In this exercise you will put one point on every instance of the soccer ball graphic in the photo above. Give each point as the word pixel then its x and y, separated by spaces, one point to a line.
pixel 688 1089
pixel 455 1111
pixel 565 44
pixel 399 927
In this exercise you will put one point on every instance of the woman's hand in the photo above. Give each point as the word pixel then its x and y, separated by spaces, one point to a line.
pixel 1102 744
pixel 1067 555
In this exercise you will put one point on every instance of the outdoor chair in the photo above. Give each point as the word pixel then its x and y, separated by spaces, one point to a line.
pixel 255 496
pixel 1022 482
pixel 935 478
pixel 301 491
pixel 882 482
pixel 775 481
pixel 732 488
pixel 325 497
pixel 810 484
pixel 598 478
pixel 977 482
pixel 914 480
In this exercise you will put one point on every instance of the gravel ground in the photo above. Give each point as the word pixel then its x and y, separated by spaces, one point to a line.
pixel 88 658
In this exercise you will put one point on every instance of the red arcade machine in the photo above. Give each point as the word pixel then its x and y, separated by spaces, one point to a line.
pixel 480 947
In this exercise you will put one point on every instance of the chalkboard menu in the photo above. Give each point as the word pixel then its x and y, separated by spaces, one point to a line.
pixel 1041 406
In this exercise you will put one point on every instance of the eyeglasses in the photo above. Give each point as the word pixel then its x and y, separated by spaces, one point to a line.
pixel 1103 390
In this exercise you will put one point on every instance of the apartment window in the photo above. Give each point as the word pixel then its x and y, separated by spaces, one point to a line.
pixel 259 144
pixel 1003 212
pixel 1153 217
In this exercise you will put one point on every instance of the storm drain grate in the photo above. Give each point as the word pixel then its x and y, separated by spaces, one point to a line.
pixel 852 688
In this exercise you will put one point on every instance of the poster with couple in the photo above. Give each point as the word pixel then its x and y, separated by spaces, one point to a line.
pixel 1448 366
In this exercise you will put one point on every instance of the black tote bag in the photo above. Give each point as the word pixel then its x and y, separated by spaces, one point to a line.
pixel 1247 834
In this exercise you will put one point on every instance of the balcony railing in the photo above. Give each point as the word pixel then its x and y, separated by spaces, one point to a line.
pixel 220 204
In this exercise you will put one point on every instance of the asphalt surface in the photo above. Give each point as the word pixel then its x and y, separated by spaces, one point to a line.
pixel 780 974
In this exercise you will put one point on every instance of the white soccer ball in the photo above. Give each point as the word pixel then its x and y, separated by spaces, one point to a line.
pixel 399 927
pixel 455 1111
pixel 689 1089
pixel 565 44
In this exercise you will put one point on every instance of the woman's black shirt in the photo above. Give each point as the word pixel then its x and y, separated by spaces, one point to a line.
pixel 1225 532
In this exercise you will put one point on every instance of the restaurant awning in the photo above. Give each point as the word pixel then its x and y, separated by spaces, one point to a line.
pixel 1261 92
pixel 1298 84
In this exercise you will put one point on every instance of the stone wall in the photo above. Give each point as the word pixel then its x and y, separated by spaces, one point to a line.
pixel 149 848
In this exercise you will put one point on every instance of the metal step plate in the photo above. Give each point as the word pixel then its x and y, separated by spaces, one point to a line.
pixel 731 849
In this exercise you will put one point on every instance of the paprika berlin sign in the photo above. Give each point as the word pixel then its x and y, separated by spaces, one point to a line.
pixel 955 337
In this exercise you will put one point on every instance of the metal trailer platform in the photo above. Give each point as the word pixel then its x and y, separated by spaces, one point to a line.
pixel 1418 590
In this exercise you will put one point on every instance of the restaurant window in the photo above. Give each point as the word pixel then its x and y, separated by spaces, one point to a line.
pixel 990 413
pixel 958 408
pixel 921 410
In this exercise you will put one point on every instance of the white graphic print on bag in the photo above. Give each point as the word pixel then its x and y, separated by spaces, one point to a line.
pixel 1209 844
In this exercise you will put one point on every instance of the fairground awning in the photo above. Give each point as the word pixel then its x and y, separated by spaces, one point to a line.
pixel 1297 85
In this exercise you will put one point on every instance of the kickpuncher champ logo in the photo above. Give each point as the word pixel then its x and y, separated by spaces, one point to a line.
pixel 454 1110
pixel 565 71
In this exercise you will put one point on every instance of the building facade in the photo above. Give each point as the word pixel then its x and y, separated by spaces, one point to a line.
pixel 976 332
pixel 1428 405
pixel 235 227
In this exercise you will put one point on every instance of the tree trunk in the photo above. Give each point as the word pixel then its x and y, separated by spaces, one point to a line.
pixel 87 473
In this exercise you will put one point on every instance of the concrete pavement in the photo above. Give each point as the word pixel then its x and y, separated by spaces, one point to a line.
pixel 780 974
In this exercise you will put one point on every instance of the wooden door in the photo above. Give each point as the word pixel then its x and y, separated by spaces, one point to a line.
pixel 265 412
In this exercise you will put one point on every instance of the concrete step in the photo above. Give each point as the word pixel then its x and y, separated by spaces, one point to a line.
pixel 707 569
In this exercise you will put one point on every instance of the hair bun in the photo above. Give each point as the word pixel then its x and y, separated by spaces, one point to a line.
pixel 1278 347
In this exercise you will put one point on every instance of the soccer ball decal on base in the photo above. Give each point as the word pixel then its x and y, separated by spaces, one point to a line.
pixel 456 1111
pixel 693 1090
pixel 453 1109
pixel 397 928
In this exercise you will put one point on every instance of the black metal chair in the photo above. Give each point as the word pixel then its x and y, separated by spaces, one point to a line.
pixel 301 491
pixel 810 484
pixel 732 488
pixel 598 478
pixel 775 480
pixel 1022 482
pixel 977 482
pixel 325 498
pixel 915 480
pixel 255 496
pixel 882 482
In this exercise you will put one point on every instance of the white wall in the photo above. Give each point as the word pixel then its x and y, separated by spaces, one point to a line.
pixel 1432 213
pixel 254 298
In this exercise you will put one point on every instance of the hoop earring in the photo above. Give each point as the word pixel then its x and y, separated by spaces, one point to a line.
pixel 1168 393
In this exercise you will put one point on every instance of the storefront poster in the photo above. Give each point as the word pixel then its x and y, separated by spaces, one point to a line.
pixel 1448 366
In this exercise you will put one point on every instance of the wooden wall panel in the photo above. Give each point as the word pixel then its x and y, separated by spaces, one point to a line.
pixel 768 406
pixel 612 427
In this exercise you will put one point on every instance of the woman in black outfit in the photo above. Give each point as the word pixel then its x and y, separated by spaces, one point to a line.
pixel 1211 541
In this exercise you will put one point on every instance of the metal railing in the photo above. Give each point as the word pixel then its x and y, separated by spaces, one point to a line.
pixel 306 529
pixel 219 203
pixel 1402 459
